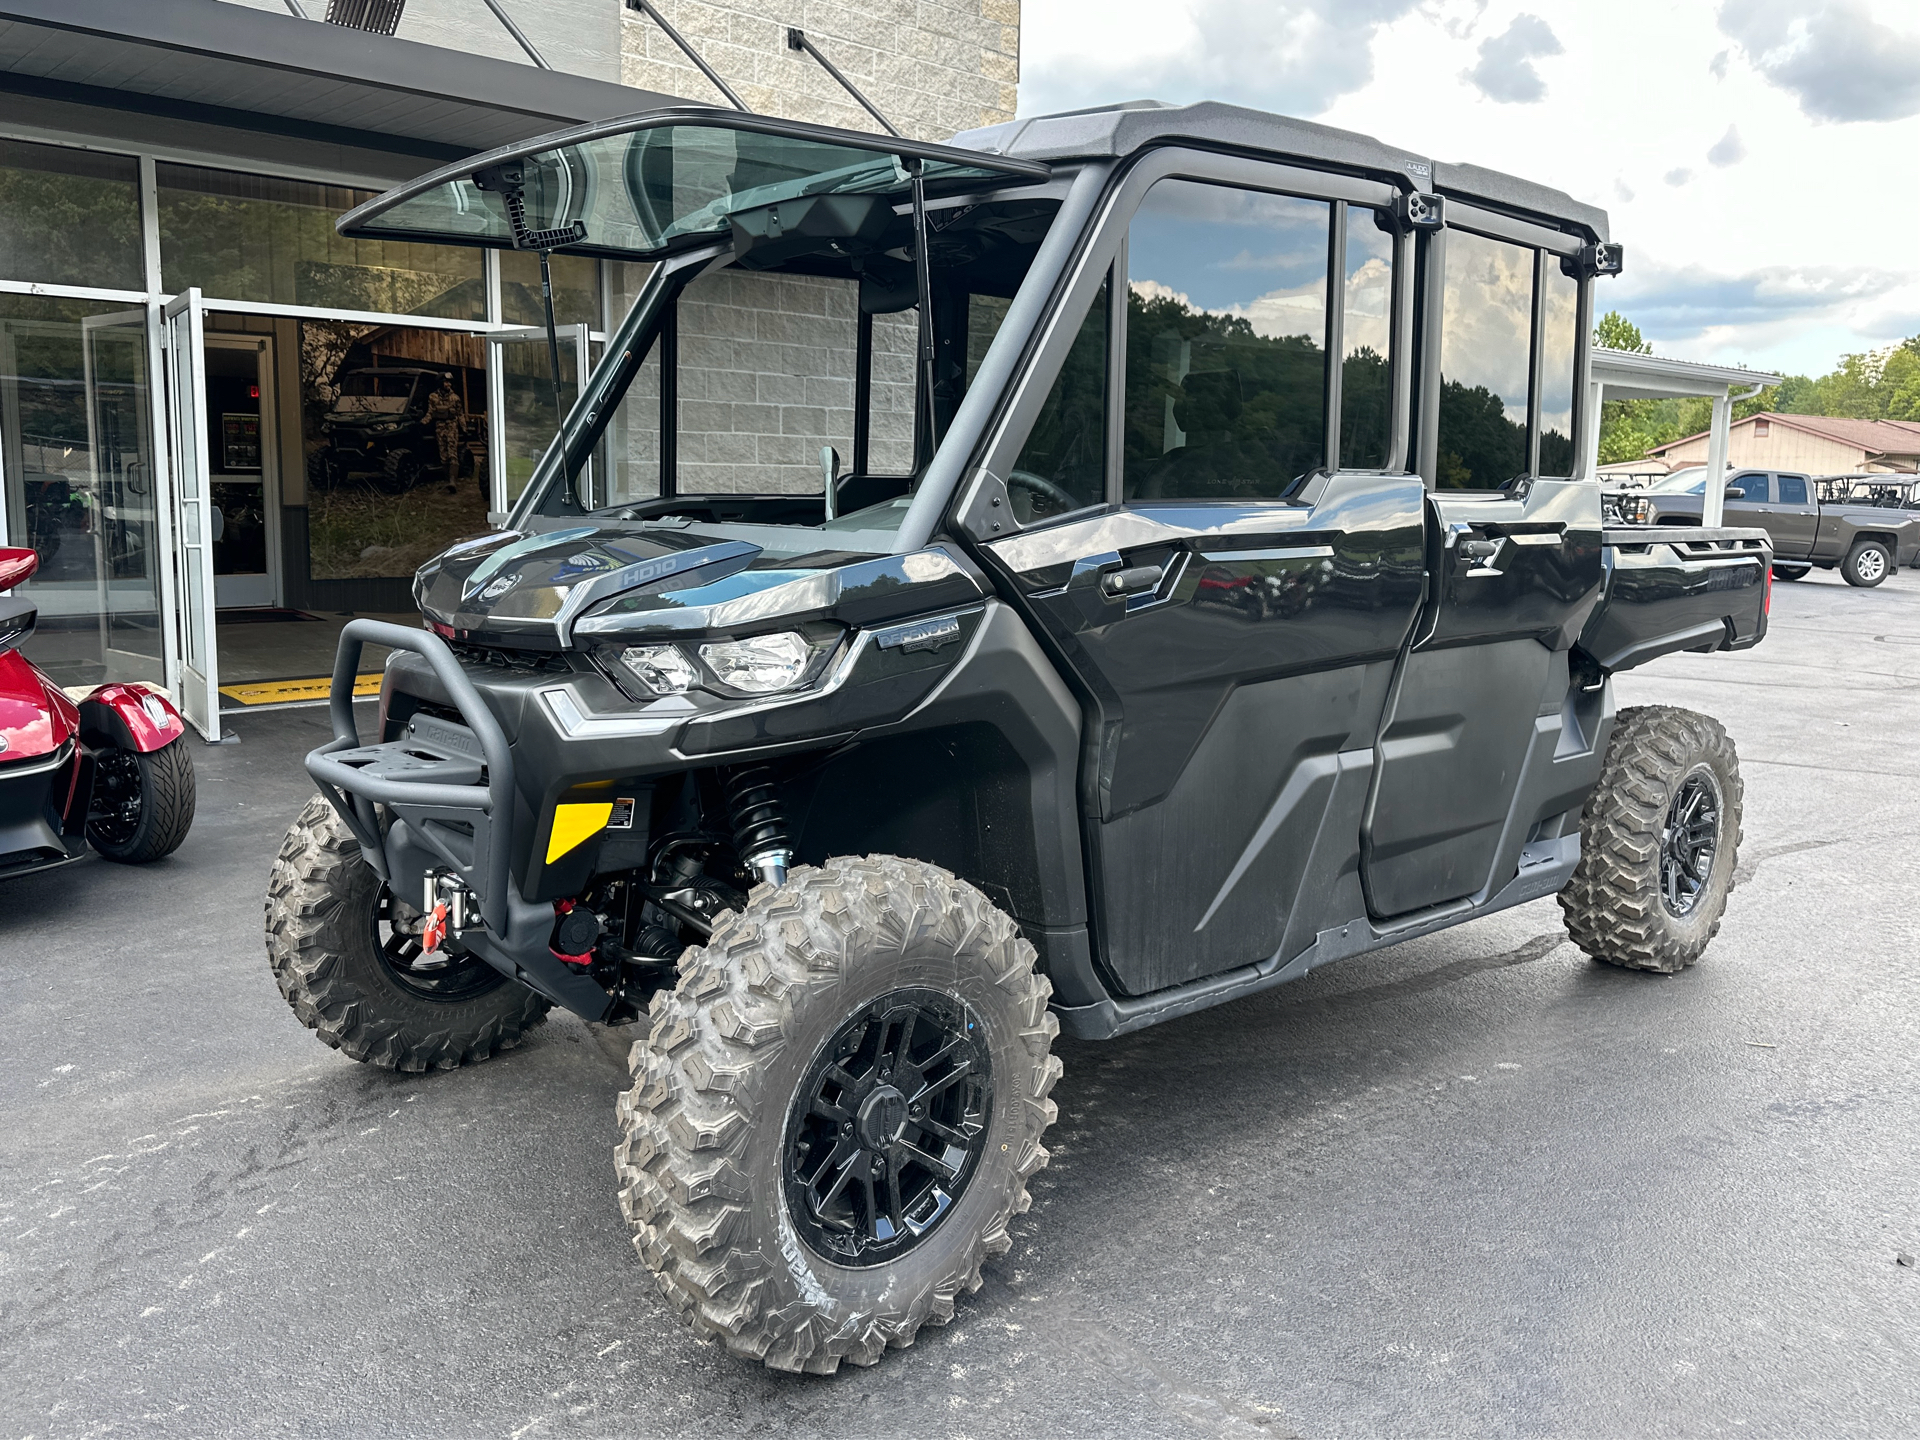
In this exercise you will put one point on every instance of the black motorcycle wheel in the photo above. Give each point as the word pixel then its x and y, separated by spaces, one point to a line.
pixel 142 805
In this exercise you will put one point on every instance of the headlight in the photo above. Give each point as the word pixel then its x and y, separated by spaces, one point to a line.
pixel 761 664
pixel 661 668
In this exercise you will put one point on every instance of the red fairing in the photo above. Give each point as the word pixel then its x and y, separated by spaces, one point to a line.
pixel 149 716
pixel 35 715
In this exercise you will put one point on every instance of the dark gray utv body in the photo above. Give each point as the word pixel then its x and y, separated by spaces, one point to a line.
pixel 1200 709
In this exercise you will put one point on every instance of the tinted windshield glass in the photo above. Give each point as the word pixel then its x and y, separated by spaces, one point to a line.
pixel 638 190
pixel 1681 482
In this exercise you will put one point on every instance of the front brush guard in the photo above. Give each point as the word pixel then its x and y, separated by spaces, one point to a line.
pixel 430 783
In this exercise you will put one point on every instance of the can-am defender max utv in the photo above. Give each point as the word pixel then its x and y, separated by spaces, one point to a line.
pixel 1217 589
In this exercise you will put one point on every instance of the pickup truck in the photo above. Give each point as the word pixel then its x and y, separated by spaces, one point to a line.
pixel 1864 540
pixel 1181 658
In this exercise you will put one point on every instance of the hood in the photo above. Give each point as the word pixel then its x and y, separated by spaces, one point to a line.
pixel 36 717
pixel 527 590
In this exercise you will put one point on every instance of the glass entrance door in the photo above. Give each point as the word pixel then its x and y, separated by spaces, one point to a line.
pixel 240 465
pixel 186 376
pixel 129 553
pixel 522 418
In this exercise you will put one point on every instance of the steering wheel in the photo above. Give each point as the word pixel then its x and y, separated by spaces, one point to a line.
pixel 1039 484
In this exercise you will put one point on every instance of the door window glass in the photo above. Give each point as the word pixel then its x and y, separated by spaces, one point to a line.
pixel 1753 486
pixel 1793 489
pixel 257 237
pixel 69 217
pixel 1226 337
pixel 1485 355
pixel 1063 465
pixel 1366 394
pixel 1559 339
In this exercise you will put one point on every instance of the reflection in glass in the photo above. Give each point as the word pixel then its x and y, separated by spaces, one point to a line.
pixel 1226 334
pixel 1485 338
pixel 1366 392
pixel 1559 337
pixel 1063 465
pixel 69 217
pixel 257 237
pixel 576 289
pixel 78 461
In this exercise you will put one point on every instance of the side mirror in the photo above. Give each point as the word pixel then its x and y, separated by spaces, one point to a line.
pixel 1734 492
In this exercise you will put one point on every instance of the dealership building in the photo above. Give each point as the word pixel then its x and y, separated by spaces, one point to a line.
pixel 225 428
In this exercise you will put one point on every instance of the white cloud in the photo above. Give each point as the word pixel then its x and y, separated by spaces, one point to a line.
pixel 1729 149
pixel 1678 177
pixel 1836 58
pixel 1505 72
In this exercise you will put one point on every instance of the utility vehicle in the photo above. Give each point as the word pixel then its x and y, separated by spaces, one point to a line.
pixel 377 426
pixel 1216 590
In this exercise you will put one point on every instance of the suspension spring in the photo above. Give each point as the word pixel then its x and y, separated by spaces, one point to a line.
pixel 759 821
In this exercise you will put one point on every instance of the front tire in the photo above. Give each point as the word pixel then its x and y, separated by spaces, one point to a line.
pixel 142 804
pixel 782 1188
pixel 1659 840
pixel 1791 572
pixel 348 971
pixel 1867 564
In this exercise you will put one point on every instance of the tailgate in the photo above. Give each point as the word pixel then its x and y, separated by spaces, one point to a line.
pixel 1675 588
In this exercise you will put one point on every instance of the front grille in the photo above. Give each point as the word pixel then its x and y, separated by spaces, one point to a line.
pixel 524 662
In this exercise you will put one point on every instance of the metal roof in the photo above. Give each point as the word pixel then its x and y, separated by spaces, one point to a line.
pixel 231 65
pixel 1117 130
pixel 1631 376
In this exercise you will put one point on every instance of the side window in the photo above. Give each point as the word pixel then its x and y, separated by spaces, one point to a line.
pixel 1063 465
pixel 1793 489
pixel 1366 389
pixel 1485 357
pixel 1755 486
pixel 1559 342
pixel 1226 343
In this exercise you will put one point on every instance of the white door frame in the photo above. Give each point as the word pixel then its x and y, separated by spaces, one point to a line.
pixel 198 690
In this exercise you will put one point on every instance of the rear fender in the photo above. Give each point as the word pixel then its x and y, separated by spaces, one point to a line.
pixel 129 717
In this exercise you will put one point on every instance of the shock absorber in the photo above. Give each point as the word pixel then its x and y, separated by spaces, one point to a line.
pixel 759 822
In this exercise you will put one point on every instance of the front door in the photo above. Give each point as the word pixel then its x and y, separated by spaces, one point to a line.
pixel 523 415
pixel 1235 616
pixel 193 527
pixel 241 457
pixel 128 550
pixel 1795 521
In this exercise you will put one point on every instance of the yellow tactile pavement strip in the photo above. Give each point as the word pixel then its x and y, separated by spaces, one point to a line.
pixel 278 692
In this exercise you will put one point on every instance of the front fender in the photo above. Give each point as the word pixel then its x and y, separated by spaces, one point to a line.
pixel 129 717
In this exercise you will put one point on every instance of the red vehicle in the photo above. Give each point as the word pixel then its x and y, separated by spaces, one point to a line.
pixel 107 774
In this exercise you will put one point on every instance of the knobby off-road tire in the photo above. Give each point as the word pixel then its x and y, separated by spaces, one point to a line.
pixel 712 1114
pixel 151 799
pixel 326 952
pixel 1867 564
pixel 1661 763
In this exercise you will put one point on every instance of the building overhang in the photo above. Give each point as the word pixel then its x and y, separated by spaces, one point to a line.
pixel 221 64
pixel 1628 376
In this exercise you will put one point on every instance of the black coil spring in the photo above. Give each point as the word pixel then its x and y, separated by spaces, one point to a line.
pixel 753 804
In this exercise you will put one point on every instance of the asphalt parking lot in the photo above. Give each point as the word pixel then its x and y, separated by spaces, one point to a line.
pixel 1473 1185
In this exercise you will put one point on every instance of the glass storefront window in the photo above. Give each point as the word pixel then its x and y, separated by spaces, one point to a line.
pixel 76 459
pixel 576 290
pixel 69 217
pixel 259 238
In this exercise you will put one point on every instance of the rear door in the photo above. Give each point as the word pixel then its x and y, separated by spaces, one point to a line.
pixel 1514 560
pixel 1794 518
pixel 1225 555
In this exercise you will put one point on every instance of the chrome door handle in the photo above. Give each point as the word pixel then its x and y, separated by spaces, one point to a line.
pixel 1132 580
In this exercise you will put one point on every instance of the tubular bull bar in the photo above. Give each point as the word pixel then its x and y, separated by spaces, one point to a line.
pixel 449 797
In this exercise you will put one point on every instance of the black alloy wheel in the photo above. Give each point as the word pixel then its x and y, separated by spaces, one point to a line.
pixel 450 975
pixel 114 817
pixel 1688 842
pixel 887 1127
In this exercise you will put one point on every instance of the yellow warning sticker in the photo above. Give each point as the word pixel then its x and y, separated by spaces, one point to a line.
pixel 573 824
pixel 279 692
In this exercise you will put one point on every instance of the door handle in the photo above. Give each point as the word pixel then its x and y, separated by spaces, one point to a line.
pixel 1479 549
pixel 1132 580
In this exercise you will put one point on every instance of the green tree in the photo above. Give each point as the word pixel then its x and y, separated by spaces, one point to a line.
pixel 1616 332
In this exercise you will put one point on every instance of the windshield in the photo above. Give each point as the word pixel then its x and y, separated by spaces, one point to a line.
pixel 642 186
pixel 1681 482
pixel 762 385
pixel 386 385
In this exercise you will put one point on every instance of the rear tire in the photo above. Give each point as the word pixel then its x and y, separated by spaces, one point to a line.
pixel 746 1093
pixel 1867 564
pixel 1646 895
pixel 1791 572
pixel 142 803
pixel 344 978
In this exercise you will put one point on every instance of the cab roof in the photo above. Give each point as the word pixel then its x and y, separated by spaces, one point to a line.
pixel 1113 131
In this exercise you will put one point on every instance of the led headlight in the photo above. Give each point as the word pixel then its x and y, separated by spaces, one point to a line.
pixel 661 668
pixel 760 664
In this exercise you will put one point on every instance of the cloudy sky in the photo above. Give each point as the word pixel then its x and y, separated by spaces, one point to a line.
pixel 1759 158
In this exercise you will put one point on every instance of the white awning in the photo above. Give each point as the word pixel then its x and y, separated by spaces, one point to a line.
pixel 1629 376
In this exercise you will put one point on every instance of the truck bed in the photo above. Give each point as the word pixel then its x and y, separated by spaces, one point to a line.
pixel 1668 588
